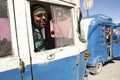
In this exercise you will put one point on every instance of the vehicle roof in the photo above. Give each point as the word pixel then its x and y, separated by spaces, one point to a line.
pixel 100 19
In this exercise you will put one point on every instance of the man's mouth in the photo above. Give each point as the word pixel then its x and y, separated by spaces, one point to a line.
pixel 42 23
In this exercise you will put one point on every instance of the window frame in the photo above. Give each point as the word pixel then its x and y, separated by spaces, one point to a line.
pixel 29 21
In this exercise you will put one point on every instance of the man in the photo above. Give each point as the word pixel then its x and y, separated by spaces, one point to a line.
pixel 108 34
pixel 39 21
pixel 108 39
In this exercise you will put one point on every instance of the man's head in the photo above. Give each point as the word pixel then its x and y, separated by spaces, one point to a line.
pixel 107 29
pixel 39 16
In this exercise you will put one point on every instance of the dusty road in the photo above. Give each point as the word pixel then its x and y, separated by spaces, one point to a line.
pixel 110 71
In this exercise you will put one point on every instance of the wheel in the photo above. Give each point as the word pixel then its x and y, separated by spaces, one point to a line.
pixel 85 78
pixel 97 69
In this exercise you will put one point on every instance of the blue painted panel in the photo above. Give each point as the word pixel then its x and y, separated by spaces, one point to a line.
pixel 116 49
pixel 82 67
pixel 63 69
pixel 96 45
pixel 15 74
pixel 98 53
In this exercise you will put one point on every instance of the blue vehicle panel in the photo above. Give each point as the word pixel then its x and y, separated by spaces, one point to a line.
pixel 52 70
pixel 15 74
pixel 73 68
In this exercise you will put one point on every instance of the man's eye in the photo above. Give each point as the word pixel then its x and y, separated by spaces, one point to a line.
pixel 41 15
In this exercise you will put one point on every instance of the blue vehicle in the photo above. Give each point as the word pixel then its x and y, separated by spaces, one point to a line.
pixel 65 55
pixel 103 38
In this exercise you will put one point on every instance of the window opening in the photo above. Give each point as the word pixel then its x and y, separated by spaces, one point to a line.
pixel 116 34
pixel 108 39
pixel 57 26
pixel 5 34
pixel 102 34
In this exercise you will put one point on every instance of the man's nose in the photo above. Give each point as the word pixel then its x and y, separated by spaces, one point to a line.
pixel 43 17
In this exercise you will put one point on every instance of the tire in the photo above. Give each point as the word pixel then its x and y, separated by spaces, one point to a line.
pixel 85 78
pixel 97 69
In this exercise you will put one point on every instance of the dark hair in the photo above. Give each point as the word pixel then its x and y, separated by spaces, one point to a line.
pixel 35 6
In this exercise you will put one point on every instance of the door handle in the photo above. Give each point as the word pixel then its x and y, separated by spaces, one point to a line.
pixel 51 56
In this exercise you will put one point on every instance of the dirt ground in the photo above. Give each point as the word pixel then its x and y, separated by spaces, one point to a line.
pixel 110 71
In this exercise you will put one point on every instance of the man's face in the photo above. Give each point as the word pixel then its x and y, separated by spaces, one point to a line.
pixel 107 30
pixel 40 19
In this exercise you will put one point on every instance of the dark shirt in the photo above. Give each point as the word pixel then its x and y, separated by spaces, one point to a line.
pixel 108 39
pixel 38 40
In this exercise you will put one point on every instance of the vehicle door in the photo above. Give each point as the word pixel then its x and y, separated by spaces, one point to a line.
pixel 116 41
pixel 58 61
pixel 9 57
